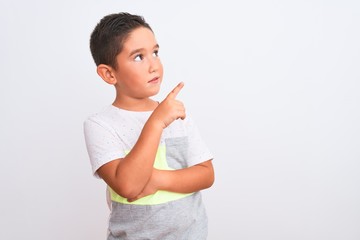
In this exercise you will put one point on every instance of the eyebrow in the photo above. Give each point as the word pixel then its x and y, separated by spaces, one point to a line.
pixel 141 49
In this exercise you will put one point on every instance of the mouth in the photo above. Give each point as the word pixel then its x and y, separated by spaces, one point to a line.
pixel 154 80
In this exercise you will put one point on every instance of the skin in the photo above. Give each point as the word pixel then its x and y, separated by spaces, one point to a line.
pixel 138 77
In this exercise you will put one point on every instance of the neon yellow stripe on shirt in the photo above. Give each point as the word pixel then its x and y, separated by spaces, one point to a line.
pixel 160 196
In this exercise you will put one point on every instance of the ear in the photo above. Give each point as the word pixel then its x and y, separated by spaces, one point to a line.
pixel 106 73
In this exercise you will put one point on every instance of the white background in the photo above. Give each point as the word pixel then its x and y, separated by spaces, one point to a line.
pixel 273 85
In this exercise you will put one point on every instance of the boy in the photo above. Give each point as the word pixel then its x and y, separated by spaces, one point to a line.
pixel 150 154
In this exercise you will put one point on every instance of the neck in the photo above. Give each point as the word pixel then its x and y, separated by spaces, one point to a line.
pixel 134 104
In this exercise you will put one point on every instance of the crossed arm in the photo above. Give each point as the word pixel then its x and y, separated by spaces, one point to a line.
pixel 134 177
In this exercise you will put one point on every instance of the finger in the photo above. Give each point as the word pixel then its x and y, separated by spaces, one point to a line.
pixel 175 91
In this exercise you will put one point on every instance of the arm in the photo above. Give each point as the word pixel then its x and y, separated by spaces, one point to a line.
pixel 129 175
pixel 119 174
pixel 187 180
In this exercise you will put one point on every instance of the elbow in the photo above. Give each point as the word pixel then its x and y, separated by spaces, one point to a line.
pixel 211 175
pixel 211 180
pixel 128 187
pixel 125 185
pixel 127 190
pixel 208 174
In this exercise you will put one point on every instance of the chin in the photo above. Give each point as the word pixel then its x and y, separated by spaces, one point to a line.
pixel 153 93
pixel 154 90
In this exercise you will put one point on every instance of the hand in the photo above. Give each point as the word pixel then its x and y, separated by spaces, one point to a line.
pixel 151 187
pixel 169 109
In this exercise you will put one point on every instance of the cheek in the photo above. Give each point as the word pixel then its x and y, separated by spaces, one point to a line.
pixel 161 69
pixel 135 73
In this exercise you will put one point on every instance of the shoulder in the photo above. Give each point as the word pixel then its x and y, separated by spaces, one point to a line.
pixel 103 118
pixel 106 115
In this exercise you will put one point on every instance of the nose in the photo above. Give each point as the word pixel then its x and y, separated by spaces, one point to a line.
pixel 154 64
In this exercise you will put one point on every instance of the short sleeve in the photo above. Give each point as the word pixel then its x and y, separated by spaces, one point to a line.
pixel 102 143
pixel 198 150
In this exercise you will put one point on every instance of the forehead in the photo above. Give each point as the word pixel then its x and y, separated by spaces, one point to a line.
pixel 139 38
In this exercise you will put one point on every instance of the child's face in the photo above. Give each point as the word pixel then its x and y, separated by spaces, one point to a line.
pixel 139 70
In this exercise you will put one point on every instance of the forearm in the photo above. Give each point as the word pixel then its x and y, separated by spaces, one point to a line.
pixel 135 169
pixel 187 180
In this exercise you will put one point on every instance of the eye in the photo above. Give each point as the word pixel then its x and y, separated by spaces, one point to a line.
pixel 156 53
pixel 138 58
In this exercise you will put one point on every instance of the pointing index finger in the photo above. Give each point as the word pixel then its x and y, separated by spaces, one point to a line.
pixel 175 91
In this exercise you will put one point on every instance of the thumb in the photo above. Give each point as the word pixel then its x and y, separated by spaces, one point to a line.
pixel 175 91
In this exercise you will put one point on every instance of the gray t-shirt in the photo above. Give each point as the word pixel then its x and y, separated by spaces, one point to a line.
pixel 111 134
